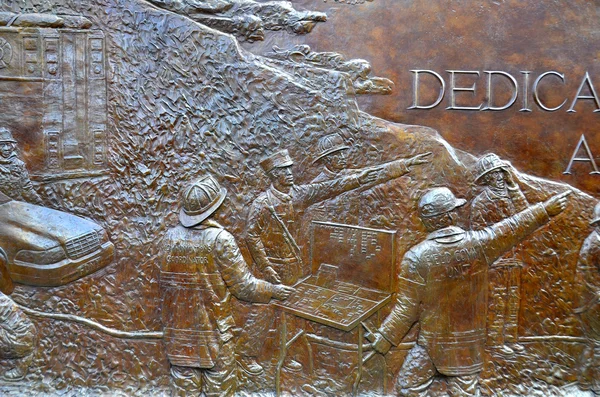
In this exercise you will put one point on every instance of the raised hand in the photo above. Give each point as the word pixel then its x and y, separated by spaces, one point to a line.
pixel 509 178
pixel 557 204
pixel 419 159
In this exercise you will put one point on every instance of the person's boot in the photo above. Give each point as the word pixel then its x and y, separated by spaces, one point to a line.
pixel 517 348
pixel 293 365
pixel 505 350
pixel 250 365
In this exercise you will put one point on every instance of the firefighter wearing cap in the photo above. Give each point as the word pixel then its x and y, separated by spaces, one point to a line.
pixel 442 284
pixel 588 277
pixel 500 198
pixel 332 153
pixel 14 178
pixel 201 268
pixel 270 234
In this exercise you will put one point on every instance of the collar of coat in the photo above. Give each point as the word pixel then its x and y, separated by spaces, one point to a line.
pixel 447 235
pixel 286 198
pixel 208 223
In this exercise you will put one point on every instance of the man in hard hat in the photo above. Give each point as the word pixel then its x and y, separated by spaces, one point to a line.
pixel 272 229
pixel 442 284
pixel 332 156
pixel 201 268
pixel 14 178
pixel 500 198
pixel 588 310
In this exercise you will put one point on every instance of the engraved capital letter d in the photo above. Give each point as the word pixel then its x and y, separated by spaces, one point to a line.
pixel 415 104
pixel 589 158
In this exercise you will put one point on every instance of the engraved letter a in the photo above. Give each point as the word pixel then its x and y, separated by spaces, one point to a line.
pixel 589 158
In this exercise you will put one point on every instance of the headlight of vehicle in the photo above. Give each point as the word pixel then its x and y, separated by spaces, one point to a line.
pixel 102 235
pixel 46 257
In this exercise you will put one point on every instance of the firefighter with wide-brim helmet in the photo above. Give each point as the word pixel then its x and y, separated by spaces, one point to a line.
pixel 329 146
pixel 489 163
pixel 442 284
pixel 201 268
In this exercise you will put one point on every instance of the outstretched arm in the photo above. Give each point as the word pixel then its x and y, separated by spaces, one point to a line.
pixel 495 240
pixel 234 271
pixel 372 176
pixel 365 178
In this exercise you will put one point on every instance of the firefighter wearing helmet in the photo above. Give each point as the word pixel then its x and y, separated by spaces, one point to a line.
pixel 500 198
pixel 202 267
pixel 442 284
pixel 14 178
pixel 588 309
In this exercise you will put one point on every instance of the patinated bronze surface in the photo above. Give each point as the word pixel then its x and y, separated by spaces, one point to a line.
pixel 195 200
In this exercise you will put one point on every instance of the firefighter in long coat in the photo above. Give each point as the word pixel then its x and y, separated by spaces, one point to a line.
pixel 500 198
pixel 588 310
pixel 18 335
pixel 201 268
pixel 443 285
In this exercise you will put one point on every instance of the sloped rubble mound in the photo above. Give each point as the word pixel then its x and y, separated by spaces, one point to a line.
pixel 186 100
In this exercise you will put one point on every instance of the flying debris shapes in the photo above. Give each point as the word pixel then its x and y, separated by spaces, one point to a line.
pixel 357 70
pixel 246 19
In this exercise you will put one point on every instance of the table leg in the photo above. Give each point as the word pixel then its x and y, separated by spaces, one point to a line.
pixel 282 354
pixel 359 368
pixel 311 360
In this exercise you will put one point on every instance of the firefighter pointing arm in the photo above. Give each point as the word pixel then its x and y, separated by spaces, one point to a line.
pixel 272 228
pixel 442 284
pixel 332 155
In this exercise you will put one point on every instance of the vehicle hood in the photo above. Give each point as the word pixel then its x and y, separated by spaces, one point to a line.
pixel 40 227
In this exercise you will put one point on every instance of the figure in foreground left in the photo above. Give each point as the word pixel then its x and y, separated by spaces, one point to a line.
pixel 201 268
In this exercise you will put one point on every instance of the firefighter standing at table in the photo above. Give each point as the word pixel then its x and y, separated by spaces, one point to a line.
pixel 202 267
